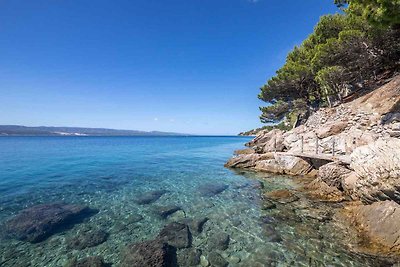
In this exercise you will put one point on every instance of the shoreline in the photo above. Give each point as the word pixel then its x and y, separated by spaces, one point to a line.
pixel 366 133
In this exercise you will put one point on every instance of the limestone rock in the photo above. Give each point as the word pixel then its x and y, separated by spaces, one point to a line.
pixel 266 137
pixel 377 167
pixel 333 174
pixel 330 129
pixel 319 190
pixel 154 253
pixel 245 151
pixel 293 165
pixel 39 222
pixel 283 164
pixel 380 222
pixel 247 160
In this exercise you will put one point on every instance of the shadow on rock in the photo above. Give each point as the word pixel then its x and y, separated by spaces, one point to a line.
pixel 37 223
pixel 153 253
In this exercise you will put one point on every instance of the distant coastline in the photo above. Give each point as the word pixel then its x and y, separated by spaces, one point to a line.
pixel 19 130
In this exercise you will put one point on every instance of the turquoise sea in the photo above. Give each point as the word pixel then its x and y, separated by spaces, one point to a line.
pixel 110 173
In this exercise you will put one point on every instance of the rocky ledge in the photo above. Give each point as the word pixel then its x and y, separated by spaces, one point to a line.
pixel 366 133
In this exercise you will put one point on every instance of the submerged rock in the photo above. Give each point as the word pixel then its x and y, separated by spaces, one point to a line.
pixel 217 260
pixel 189 257
pixel 94 261
pixel 379 222
pixel 282 196
pixel 210 190
pixel 219 241
pixel 134 218
pixel 39 222
pixel 176 235
pixel 165 211
pixel 150 197
pixel 271 233
pixel 154 253
pixel 87 239
pixel 195 224
pixel 319 190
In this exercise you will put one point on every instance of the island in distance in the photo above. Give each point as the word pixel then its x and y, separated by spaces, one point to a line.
pixel 18 130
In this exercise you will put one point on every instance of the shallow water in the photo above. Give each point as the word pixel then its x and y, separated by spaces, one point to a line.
pixel 110 173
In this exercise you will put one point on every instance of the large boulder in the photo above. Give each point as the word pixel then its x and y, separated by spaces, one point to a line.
pixel 330 129
pixel 176 235
pixel 283 164
pixel 319 190
pixel 333 174
pixel 39 222
pixel 377 168
pixel 379 222
pixel 268 141
pixel 273 144
pixel 247 160
pixel 154 253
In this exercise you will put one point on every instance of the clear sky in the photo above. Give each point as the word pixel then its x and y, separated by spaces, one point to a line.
pixel 192 66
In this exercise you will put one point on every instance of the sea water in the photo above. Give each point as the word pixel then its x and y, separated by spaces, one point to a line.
pixel 110 173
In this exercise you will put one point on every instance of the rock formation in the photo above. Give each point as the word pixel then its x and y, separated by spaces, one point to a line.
pixel 39 222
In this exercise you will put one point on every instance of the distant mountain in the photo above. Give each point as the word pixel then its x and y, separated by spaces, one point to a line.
pixel 17 130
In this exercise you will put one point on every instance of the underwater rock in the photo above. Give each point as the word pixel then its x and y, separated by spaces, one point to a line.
pixel 87 239
pixel 150 197
pixel 378 223
pixel 195 224
pixel 219 241
pixel 134 218
pixel 94 261
pixel 217 260
pixel 39 222
pixel 189 257
pixel 236 222
pixel 176 235
pixel 210 190
pixel 282 196
pixel 319 190
pixel 165 211
pixel 153 253
pixel 268 205
pixel 271 233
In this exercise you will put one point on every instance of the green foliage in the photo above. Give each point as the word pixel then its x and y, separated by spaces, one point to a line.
pixel 378 12
pixel 274 112
pixel 343 50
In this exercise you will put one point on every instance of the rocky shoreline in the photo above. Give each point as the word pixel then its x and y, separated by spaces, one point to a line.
pixel 348 155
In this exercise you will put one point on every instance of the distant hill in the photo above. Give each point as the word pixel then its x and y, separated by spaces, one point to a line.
pixel 17 130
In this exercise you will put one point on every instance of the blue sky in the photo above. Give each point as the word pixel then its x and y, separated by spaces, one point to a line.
pixel 192 66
